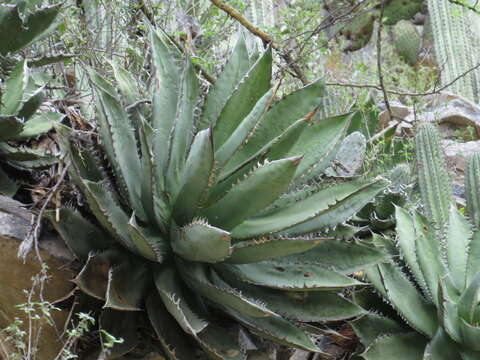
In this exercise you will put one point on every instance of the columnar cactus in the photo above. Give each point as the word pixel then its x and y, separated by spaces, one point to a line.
pixel 212 217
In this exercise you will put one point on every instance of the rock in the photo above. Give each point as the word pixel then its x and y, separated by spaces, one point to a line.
pixel 452 109
pixel 16 278
pixel 399 112
pixel 457 153
pixel 350 157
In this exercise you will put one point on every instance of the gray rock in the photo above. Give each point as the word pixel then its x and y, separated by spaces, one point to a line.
pixel 350 157
pixel 457 153
pixel 447 108
pixel 399 112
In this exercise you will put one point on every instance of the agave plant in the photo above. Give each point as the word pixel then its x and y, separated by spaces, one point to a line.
pixel 20 97
pixel 435 287
pixel 209 216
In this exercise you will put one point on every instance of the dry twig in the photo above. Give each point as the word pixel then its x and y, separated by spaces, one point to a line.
pixel 266 38
pixel 31 240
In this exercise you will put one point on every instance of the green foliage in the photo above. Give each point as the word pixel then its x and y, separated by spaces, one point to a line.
pixel 20 97
pixel 434 288
pixel 19 31
pixel 397 10
pixel 207 213
pixel 407 41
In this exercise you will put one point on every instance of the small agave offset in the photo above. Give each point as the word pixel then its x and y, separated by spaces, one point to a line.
pixel 210 216
pixel 439 297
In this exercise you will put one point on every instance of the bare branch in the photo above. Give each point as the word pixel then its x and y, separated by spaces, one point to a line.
pixel 405 93
pixel 266 38
pixel 466 6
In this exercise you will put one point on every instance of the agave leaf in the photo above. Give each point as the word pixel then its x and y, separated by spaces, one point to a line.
pixel 470 300
pixel 15 86
pixel 281 146
pixel 93 278
pixel 39 124
pixel 342 210
pixel 11 126
pixel 26 158
pixel 473 263
pixel 109 213
pixel 128 89
pixel 294 130
pixel 174 343
pixel 182 130
pixel 122 139
pixel 245 129
pixel 121 325
pixel 198 241
pixel 447 312
pixel 17 33
pixel 167 284
pixel 435 187
pixel 468 354
pixel 265 184
pixel 219 344
pixel 250 89
pixel 195 178
pixel 337 200
pixel 286 275
pixel 457 242
pixel 8 186
pixel 148 188
pixel 372 326
pixel 389 280
pixel 344 257
pixel 148 241
pixel 408 346
pixel 305 306
pixel 282 115
pixel 219 292
pixel 80 235
pixel 406 238
pixel 472 183
pixel 252 251
pixel 276 329
pixel 429 254
pixel 126 83
pixel 235 69
pixel 30 102
pixel 127 284
pixel 164 103
pixel 441 347
pixel 317 156
pixel 470 335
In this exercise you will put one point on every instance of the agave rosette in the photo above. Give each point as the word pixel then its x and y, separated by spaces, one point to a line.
pixel 210 215
pixel 435 285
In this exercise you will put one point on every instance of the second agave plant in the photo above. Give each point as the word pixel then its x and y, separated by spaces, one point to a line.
pixel 435 284
pixel 218 215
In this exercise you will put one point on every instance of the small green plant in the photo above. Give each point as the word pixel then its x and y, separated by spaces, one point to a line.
pixel 468 133
pixel 217 214
pixel 21 340
pixel 434 284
